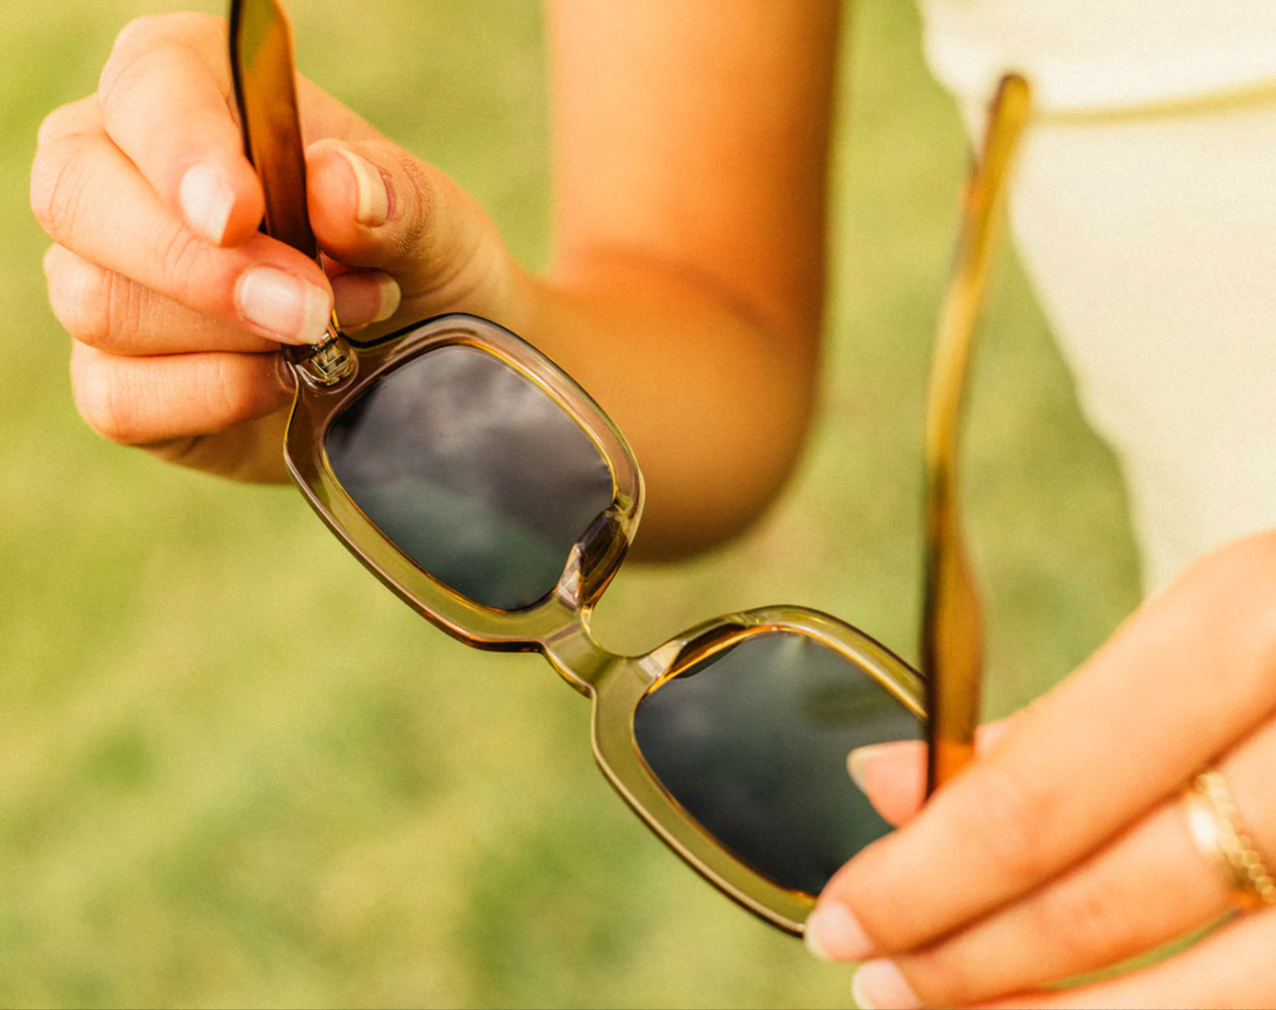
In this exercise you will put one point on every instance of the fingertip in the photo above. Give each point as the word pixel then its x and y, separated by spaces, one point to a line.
pixel 283 305
pixel 365 297
pixel 345 187
pixel 833 933
pixel 861 759
pixel 864 763
pixel 892 775
pixel 206 199
pixel 248 210
pixel 224 205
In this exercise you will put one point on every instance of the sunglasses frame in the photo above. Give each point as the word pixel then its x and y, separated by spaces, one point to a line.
pixel 595 558
pixel 333 373
pixel 557 626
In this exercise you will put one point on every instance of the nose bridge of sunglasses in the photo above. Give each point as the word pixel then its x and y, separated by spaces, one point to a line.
pixel 588 666
pixel 576 655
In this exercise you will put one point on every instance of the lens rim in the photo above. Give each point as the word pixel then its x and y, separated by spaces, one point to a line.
pixel 558 625
pixel 594 559
pixel 621 691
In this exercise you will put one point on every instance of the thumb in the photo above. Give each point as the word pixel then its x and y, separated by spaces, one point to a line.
pixel 374 206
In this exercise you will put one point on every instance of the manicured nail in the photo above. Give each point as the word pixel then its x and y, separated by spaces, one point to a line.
pixel 860 758
pixel 878 985
pixel 832 933
pixel 287 306
pixel 373 201
pixel 857 764
pixel 391 295
pixel 366 297
pixel 206 199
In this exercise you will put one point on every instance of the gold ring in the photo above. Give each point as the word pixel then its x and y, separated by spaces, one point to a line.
pixel 1220 836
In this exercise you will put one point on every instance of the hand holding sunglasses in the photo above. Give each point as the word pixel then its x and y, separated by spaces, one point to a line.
pixel 964 909
pixel 485 488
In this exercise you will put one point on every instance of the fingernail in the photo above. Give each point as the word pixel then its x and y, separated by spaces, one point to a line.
pixel 287 306
pixel 206 199
pixel 878 985
pixel 857 764
pixel 391 295
pixel 373 200
pixel 832 933
pixel 365 298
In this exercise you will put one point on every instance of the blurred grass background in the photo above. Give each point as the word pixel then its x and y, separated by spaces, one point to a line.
pixel 234 771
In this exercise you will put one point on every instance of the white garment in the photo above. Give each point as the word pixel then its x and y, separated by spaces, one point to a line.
pixel 1144 209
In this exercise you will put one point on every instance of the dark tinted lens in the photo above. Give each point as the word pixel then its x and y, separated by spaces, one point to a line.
pixel 473 471
pixel 753 743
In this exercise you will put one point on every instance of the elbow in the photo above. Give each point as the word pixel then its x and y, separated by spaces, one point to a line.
pixel 738 445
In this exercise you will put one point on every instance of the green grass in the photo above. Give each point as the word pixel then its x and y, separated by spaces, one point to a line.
pixel 235 771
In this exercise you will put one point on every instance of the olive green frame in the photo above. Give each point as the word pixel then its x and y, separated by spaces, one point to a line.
pixel 334 373
pixel 558 625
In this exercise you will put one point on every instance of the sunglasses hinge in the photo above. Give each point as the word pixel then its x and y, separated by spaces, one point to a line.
pixel 328 362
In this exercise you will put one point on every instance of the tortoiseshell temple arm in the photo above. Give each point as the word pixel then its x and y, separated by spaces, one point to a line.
pixel 952 635
pixel 264 72
pixel 265 92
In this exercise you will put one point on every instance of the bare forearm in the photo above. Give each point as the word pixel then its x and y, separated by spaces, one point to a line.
pixel 688 278
pixel 714 402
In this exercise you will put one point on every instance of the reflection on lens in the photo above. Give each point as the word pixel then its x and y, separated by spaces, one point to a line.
pixel 753 743
pixel 473 471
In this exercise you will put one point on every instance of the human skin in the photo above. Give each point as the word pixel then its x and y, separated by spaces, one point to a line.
pixel 1063 848
pixel 685 294
pixel 685 298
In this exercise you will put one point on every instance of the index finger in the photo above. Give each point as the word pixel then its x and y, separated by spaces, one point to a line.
pixel 165 95
pixel 1174 688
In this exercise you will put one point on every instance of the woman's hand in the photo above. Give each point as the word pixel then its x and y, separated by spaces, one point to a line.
pixel 1064 848
pixel 175 302
pixel 685 293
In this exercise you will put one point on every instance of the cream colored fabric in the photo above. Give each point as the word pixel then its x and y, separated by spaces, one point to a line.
pixel 1149 229
pixel 1095 54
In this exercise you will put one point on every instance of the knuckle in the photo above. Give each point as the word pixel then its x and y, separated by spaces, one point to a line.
pixel 201 30
pixel 237 389
pixel 1012 825
pixel 1243 624
pixel 1251 676
pixel 138 33
pixel 200 34
pixel 108 401
pixel 58 181
pixel 424 196
pixel 1256 571
pixel 52 125
pixel 178 253
pixel 63 121
pixel 232 390
pixel 97 307
pixel 124 305
pixel 119 313
pixel 1082 916
pixel 77 293
pixel 224 398
pixel 134 40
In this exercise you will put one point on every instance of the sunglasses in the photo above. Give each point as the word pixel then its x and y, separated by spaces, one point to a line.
pixel 489 491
